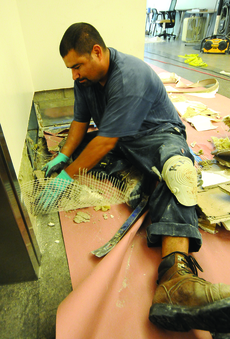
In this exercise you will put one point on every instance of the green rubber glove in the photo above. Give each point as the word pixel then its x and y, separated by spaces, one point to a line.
pixel 48 198
pixel 55 165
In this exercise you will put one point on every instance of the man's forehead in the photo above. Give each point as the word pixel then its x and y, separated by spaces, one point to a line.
pixel 73 59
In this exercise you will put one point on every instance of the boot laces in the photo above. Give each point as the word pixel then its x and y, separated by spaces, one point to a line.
pixel 191 264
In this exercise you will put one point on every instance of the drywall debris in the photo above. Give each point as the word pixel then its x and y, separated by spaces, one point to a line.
pixel 120 303
pixel 207 164
pixel 54 148
pixel 102 208
pixel 214 204
pixel 222 161
pixel 177 97
pixel 81 217
pixel 200 152
pixel 226 120
pixel 38 174
pixel 206 226
pixel 221 143
pixel 226 224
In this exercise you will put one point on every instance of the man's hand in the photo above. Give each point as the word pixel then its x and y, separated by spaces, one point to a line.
pixel 55 165
pixel 49 197
pixel 92 154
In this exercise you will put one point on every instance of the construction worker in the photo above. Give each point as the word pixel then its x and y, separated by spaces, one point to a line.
pixel 137 121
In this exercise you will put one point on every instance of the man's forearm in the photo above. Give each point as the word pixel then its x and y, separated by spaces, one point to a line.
pixel 75 136
pixel 92 154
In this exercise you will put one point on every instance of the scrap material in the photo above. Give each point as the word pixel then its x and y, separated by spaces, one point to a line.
pixel 214 204
pixel 226 224
pixel 86 190
pixel 201 123
pixel 210 178
pixel 81 217
pixel 188 109
pixel 226 73
pixel 183 88
pixel 206 226
pixel 225 187
pixel 198 114
pixel 222 160
pixel 226 120
pixel 169 78
pixel 221 145
pixel 53 140
pixel 222 150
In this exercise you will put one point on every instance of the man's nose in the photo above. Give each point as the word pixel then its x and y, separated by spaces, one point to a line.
pixel 75 74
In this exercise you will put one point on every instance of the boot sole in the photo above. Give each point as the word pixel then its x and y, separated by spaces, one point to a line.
pixel 214 317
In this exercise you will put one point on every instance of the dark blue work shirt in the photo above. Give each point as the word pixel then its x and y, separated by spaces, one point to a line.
pixel 132 101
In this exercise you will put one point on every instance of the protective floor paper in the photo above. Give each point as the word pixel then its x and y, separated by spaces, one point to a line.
pixel 111 296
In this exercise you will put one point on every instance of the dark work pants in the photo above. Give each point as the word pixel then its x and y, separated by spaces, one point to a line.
pixel 168 216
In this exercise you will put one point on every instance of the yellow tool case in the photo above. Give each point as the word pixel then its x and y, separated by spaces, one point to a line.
pixel 215 44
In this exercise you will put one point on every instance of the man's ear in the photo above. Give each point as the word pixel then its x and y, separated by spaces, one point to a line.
pixel 97 51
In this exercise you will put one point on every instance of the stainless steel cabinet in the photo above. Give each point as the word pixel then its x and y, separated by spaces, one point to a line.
pixel 19 252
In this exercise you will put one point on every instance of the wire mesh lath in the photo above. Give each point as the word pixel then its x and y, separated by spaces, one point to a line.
pixel 43 196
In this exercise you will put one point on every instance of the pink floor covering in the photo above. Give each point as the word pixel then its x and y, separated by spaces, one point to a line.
pixel 111 296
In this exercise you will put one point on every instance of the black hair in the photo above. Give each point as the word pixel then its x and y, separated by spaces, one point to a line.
pixel 81 37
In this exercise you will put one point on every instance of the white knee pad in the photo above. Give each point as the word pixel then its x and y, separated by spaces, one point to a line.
pixel 181 178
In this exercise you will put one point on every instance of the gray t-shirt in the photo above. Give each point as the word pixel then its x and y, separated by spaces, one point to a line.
pixel 132 101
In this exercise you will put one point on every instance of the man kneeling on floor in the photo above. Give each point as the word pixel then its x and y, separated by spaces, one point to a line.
pixel 138 123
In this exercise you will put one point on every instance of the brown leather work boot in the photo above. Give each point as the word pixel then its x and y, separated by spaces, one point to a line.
pixel 183 301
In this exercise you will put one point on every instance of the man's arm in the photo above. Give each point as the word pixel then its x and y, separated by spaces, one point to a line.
pixel 92 154
pixel 76 134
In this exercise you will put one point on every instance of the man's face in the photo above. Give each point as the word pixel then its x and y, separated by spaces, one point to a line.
pixel 86 68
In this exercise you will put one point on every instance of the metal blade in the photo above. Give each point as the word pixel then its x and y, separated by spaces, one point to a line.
pixel 100 252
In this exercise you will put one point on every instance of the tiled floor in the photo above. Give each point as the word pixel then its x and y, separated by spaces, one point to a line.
pixel 27 310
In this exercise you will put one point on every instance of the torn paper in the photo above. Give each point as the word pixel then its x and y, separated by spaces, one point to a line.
pixel 210 178
pixel 201 123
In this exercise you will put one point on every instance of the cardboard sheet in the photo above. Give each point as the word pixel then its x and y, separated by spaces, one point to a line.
pixel 215 204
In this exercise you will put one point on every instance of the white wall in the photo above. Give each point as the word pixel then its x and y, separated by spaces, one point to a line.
pixel 121 24
pixel 163 5
pixel 16 85
pixel 185 4
pixel 31 31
